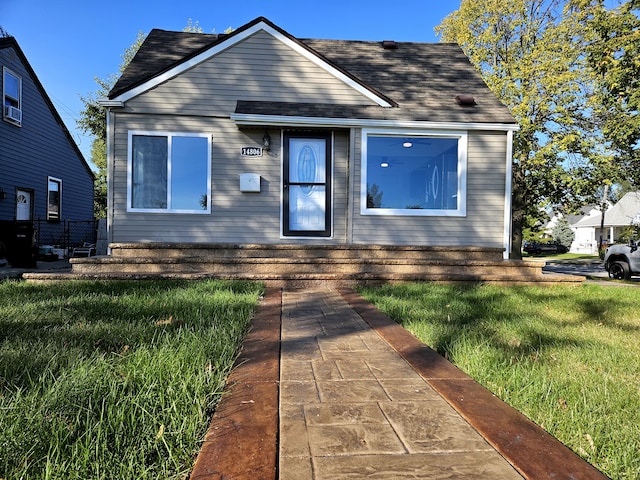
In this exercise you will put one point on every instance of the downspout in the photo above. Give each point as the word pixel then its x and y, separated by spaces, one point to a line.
pixel 110 163
pixel 507 196
pixel 108 104
pixel 350 185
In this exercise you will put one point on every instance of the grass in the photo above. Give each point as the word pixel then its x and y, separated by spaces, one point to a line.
pixel 114 379
pixel 562 256
pixel 567 357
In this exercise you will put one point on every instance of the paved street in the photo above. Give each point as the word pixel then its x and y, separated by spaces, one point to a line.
pixel 590 269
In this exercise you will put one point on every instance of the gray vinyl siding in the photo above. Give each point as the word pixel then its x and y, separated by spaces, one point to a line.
pixel 236 217
pixel 38 149
pixel 484 222
pixel 258 68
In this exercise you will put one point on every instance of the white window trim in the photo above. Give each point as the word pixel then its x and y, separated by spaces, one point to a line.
pixel 5 117
pixel 59 182
pixel 167 134
pixel 462 137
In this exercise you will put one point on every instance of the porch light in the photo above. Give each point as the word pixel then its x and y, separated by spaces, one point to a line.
pixel 407 144
pixel 266 141
pixel 384 164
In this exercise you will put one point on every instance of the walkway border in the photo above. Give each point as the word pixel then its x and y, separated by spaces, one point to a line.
pixel 242 440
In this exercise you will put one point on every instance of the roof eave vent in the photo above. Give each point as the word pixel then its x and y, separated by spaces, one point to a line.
pixel 465 100
pixel 389 44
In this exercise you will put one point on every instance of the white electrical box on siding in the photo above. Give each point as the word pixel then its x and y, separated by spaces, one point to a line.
pixel 249 182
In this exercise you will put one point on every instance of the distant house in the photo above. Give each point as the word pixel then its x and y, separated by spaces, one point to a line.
pixel 44 179
pixel 259 137
pixel 621 215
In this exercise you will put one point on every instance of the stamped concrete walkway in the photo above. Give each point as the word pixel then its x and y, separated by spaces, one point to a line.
pixel 343 392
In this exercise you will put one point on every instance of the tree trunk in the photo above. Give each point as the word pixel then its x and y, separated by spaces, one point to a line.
pixel 517 222
pixel 603 209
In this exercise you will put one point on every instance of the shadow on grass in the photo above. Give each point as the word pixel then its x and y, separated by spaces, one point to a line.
pixel 45 329
pixel 517 323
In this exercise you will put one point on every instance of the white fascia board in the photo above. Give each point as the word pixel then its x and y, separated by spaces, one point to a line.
pixel 177 70
pixel 105 102
pixel 283 120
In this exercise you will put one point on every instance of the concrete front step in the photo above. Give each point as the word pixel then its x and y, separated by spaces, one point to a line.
pixel 308 264
pixel 288 251
pixel 304 280
pixel 299 266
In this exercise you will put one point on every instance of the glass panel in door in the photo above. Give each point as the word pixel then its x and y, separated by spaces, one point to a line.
pixel 307 186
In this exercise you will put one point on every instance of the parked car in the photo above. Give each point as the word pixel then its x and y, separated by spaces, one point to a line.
pixel 622 260
pixel 544 247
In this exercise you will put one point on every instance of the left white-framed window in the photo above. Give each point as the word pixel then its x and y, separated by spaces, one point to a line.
pixel 413 173
pixel 11 97
pixel 54 199
pixel 169 172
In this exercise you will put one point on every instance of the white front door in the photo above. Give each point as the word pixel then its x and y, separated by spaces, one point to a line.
pixel 307 185
pixel 23 205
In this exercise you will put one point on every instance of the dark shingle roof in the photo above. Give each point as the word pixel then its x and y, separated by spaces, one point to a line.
pixel 161 50
pixel 421 79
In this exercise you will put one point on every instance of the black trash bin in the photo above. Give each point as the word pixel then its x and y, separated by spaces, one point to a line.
pixel 19 241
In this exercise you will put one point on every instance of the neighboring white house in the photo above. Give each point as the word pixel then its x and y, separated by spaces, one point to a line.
pixel 624 213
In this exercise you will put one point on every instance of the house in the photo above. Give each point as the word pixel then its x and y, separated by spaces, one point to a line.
pixel 45 181
pixel 584 240
pixel 271 157
pixel 624 213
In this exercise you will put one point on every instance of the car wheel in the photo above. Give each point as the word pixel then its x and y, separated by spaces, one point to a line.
pixel 619 271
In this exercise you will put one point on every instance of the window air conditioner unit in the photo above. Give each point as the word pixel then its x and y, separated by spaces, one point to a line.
pixel 13 113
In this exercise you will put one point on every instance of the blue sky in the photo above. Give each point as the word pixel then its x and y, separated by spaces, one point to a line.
pixel 71 42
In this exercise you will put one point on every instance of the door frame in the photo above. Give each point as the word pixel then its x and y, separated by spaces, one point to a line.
pixel 31 195
pixel 285 212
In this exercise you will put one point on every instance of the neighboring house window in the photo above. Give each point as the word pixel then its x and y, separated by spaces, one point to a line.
pixel 54 196
pixel 169 172
pixel 413 173
pixel 11 96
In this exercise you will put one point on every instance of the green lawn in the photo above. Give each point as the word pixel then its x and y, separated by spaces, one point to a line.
pixel 114 379
pixel 567 357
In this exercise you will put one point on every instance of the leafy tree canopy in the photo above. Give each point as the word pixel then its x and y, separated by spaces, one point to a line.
pixel 614 55
pixel 531 54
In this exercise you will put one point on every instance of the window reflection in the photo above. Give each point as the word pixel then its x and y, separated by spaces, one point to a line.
pixel 412 173
pixel 188 173
pixel 54 199
pixel 170 172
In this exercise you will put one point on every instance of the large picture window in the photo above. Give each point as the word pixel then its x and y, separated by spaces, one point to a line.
pixel 169 172
pixel 408 173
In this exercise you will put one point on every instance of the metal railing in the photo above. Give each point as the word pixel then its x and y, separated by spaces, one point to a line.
pixel 64 236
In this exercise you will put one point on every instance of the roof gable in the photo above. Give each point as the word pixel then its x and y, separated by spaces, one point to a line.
pixel 621 214
pixel 165 55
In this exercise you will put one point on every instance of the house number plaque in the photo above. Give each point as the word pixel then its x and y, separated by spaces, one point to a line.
pixel 251 151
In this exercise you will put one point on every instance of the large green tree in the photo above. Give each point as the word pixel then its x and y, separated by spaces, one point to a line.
pixel 614 55
pixel 531 54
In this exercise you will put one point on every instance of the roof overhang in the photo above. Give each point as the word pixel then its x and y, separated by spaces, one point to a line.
pixel 318 122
